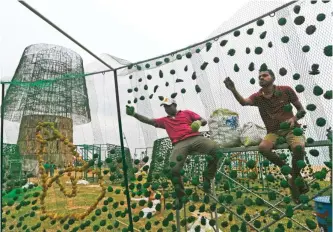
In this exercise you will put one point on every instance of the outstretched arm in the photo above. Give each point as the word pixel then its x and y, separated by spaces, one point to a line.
pixel 144 119
pixel 131 112
pixel 231 86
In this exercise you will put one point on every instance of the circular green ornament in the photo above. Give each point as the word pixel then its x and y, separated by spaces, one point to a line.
pixel 260 22
pixel 147 65
pixel 310 29
pixel 298 131
pixel 299 20
pixel 282 21
pixel 314 152
pixel 317 90
pixel 306 48
pixel 285 39
pixel 251 163
pixel 328 50
pixel 179 56
pixel 253 81
pixel 258 50
pixel 321 122
pixel 216 59
pixel 270 44
pixel 296 76
pixel 321 17
pixel 299 88
pixel 328 95
pixel 236 33
pixel 183 90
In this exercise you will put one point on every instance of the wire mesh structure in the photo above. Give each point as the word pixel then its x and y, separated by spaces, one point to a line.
pixel 294 41
pixel 64 102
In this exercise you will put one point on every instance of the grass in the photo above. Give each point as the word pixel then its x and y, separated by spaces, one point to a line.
pixel 87 195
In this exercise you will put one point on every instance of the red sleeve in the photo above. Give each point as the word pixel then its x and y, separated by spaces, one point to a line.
pixel 159 122
pixel 292 94
pixel 193 116
pixel 254 97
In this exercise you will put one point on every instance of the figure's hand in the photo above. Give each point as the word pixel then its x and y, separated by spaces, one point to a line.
pixel 196 125
pixel 291 122
pixel 229 83
pixel 130 110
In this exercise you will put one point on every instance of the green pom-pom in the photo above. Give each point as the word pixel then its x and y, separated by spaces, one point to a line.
pixel 297 9
pixel 179 57
pixel 203 66
pixel 282 21
pixel 249 31
pixel 167 60
pixel 265 163
pixel 283 71
pixel 314 152
pixel 263 35
pixel 289 211
pixel 285 39
pixel 328 50
pixel 236 33
pixel 299 88
pixel 306 48
pixel 223 43
pixel 310 29
pixel 321 17
pixel 258 50
pixel 236 68
pixel 155 89
pixel 216 59
pixel 296 76
pixel 173 95
pixel 297 131
pixel 328 95
pixel 208 46
pixel 172 71
pixel 260 22
pixel 147 65
pixel 299 20
pixel 188 55
pixel 197 50
pixel 270 178
pixel 287 108
pixel 284 184
pixel 301 164
pixel 253 81
pixel 311 107
pixel 317 90
pixel 311 224
pixel 183 90
pixel 285 169
pixel 251 66
pixel 321 122
pixel 231 52
pixel 197 88
pixel 284 125
pixel 251 163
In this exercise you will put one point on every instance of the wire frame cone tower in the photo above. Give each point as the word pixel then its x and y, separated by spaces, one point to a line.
pixel 63 101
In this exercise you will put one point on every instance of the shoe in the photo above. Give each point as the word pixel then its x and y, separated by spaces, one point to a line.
pixel 295 193
pixel 207 185
pixel 177 204
pixel 304 189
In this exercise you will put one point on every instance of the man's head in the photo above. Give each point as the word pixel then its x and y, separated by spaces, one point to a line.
pixel 266 78
pixel 170 106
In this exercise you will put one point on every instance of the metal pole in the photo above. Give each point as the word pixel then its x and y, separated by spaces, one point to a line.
pixel 123 152
pixel 64 33
pixel 2 150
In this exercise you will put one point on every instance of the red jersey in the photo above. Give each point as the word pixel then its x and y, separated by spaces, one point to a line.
pixel 178 127
pixel 271 109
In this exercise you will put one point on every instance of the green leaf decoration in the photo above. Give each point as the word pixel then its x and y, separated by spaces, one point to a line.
pixel 173 95
pixel 310 29
pixel 236 68
pixel 328 50
pixel 197 88
pixel 247 50
pixel 161 98
pixel 155 89
pixel 203 66
pixel 197 50
pixel 151 96
pixel 270 44
pixel 194 75
pixel 299 88
pixel 263 35
pixel 160 73
pixel 223 43
pixel 179 80
pixel 166 84
pixel 328 95
pixel 129 90
pixel 251 66
pixel 249 31
pixel 260 22
pixel 158 63
pixel 236 33
pixel 208 46
pixel 258 50
pixel 231 52
pixel 186 68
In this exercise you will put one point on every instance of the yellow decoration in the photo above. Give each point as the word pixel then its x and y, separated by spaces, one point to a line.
pixel 47 182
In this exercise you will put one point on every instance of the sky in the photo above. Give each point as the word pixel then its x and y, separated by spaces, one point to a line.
pixel 129 29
